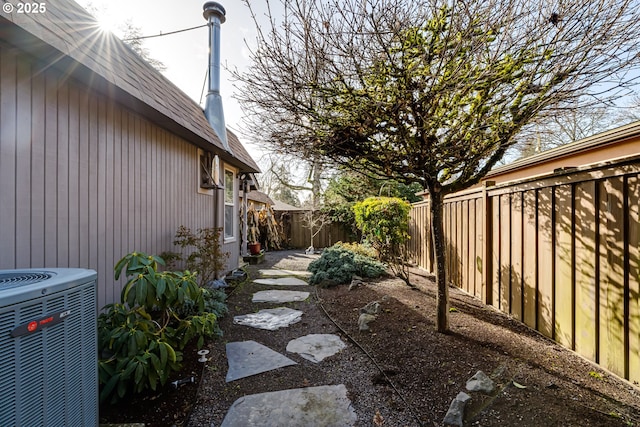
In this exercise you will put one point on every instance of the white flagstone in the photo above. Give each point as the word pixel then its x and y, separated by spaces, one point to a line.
pixel 281 281
pixel 316 347
pixel 279 296
pixel 272 272
pixel 248 358
pixel 270 319
pixel 322 406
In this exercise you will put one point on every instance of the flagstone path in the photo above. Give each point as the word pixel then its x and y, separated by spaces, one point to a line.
pixel 321 406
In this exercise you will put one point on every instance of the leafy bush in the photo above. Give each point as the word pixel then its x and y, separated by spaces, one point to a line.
pixel 338 264
pixel 384 222
pixel 140 338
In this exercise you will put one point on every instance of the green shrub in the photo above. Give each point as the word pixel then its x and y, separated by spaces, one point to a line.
pixel 384 222
pixel 338 264
pixel 140 339
pixel 364 249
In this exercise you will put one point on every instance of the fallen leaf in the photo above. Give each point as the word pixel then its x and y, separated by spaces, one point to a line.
pixel 377 419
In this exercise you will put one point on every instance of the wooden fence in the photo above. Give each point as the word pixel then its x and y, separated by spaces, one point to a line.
pixel 558 252
pixel 296 233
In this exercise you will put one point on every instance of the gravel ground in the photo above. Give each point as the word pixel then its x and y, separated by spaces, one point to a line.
pixel 350 367
pixel 416 373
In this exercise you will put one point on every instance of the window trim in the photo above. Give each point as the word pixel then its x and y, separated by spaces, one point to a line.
pixel 234 236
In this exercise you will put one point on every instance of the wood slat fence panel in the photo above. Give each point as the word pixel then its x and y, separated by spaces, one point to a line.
pixel 559 253
pixel 297 235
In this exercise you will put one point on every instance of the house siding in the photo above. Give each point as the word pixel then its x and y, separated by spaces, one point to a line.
pixel 84 181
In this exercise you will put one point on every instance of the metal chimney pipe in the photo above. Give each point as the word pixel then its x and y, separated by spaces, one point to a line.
pixel 214 13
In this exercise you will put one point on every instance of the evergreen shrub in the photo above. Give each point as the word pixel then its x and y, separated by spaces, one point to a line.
pixel 339 263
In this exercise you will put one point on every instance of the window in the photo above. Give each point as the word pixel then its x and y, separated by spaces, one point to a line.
pixel 230 216
pixel 208 172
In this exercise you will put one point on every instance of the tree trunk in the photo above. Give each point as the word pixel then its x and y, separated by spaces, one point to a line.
pixel 439 249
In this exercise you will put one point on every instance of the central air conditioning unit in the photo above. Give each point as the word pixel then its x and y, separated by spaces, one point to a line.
pixel 48 345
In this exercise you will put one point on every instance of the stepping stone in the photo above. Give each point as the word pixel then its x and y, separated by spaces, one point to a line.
pixel 322 406
pixel 248 358
pixel 270 318
pixel 276 273
pixel 316 347
pixel 282 281
pixel 279 296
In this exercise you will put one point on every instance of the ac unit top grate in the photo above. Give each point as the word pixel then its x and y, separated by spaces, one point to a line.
pixel 11 280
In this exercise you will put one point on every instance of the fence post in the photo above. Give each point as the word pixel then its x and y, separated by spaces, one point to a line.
pixel 487 244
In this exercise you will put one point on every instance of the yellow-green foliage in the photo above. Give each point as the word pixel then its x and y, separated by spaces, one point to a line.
pixel 359 248
pixel 384 222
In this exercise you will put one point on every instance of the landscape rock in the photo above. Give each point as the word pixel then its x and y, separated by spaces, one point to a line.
pixel 364 320
pixel 371 308
pixel 355 282
pixel 455 414
pixel 217 284
pixel 480 382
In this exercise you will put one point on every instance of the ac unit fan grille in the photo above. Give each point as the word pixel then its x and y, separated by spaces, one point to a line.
pixel 12 280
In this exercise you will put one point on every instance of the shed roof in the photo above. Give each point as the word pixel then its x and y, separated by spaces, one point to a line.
pixel 282 206
pixel 259 196
pixel 68 38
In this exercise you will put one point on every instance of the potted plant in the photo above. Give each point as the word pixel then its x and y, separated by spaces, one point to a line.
pixel 253 232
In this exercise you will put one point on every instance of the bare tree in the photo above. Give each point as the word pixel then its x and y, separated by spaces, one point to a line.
pixel 278 181
pixel 131 35
pixel 572 126
pixel 431 92
pixel 630 112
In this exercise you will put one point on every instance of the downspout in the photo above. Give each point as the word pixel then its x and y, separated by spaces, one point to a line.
pixel 216 218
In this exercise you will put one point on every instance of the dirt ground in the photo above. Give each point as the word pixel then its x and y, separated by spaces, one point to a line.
pixel 401 373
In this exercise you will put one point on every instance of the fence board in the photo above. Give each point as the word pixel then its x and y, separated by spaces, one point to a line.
pixel 585 270
pixel 611 257
pixel 478 254
pixel 545 297
pixel 496 241
pixel 505 253
pixel 446 215
pixel 564 266
pixel 529 257
pixel 470 263
pixel 463 241
pixel 634 278
pixel 516 256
